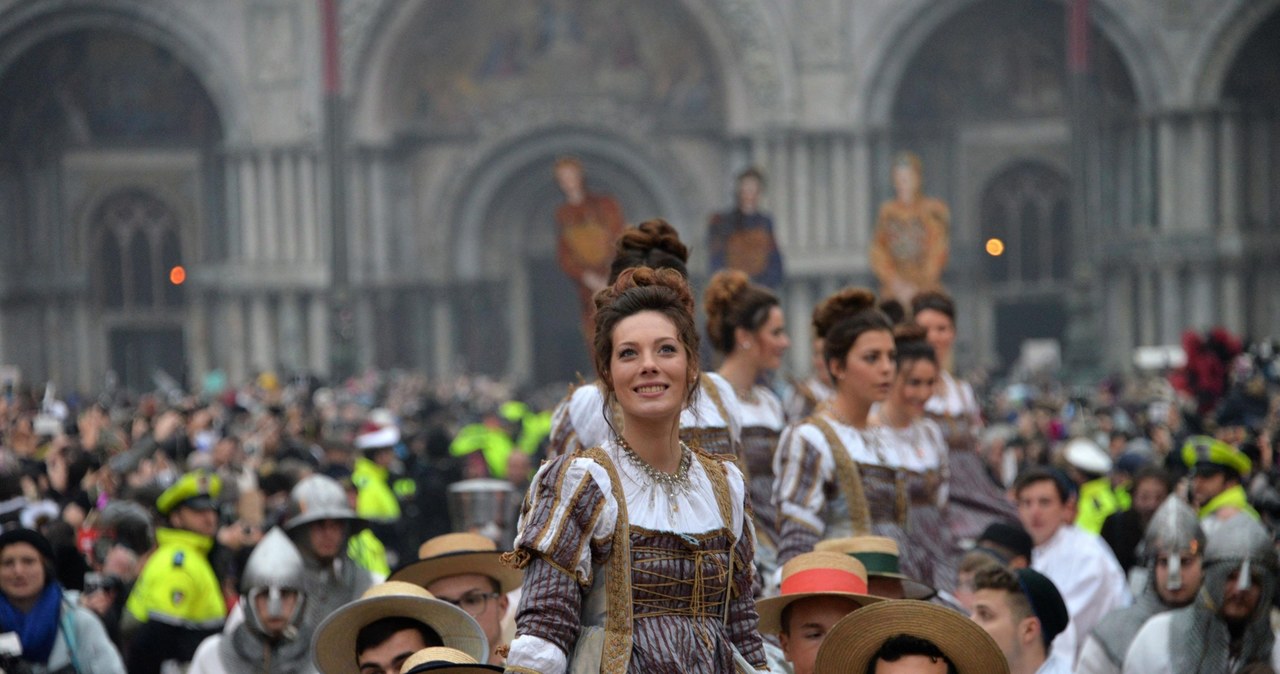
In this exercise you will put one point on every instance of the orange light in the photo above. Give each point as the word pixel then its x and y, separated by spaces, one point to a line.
pixel 177 275
pixel 995 247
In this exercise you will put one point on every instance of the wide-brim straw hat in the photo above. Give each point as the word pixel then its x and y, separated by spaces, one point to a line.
pixel 852 643
pixel 815 574
pixel 457 554
pixel 879 555
pixel 441 659
pixel 334 644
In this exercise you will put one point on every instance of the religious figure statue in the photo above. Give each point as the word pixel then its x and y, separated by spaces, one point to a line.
pixel 910 246
pixel 588 226
pixel 742 237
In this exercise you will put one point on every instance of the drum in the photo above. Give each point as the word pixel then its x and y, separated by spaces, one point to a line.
pixel 485 506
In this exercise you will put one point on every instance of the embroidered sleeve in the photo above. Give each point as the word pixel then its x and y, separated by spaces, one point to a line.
pixel 563 439
pixel 569 517
pixel 799 492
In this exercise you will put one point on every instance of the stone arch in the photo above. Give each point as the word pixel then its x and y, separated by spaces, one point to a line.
pixel 745 37
pixel 911 24
pixel 30 24
pixel 475 188
pixel 1216 52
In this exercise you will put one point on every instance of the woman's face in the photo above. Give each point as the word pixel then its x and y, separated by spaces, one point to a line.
pixel 866 375
pixel 771 341
pixel 906 182
pixel 942 332
pixel 914 386
pixel 21 572
pixel 649 366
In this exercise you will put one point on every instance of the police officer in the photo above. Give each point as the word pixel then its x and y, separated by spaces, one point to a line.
pixel 177 601
pixel 1218 474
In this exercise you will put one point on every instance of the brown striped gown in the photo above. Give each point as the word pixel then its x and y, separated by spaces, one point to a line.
pixel 690 552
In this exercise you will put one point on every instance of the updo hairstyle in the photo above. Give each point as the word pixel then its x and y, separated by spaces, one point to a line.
pixel 652 243
pixel 732 301
pixel 910 341
pixel 645 289
pixel 843 317
pixel 935 300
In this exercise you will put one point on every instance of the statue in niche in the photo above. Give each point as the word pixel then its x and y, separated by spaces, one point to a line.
pixel 910 246
pixel 742 237
pixel 588 224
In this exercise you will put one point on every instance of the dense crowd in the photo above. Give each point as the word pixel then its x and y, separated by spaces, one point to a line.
pixel 675 515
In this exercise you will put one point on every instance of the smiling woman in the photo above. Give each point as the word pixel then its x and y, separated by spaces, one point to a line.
pixel 654 531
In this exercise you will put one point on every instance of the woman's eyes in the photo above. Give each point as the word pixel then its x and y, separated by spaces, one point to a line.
pixel 626 353
pixel 667 348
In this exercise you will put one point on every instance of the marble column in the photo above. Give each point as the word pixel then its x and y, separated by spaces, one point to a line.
pixel 442 321
pixel 1228 163
pixel 318 333
pixel 196 335
pixel 520 328
pixel 1231 296
pixel 250 241
pixel 310 223
pixel 290 232
pixel 268 206
pixel 235 343
pixel 1147 311
pixel 1168 217
pixel 289 331
pixel 1172 320
pixel 261 334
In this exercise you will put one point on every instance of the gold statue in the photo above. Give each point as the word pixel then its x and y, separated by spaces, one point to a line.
pixel 909 250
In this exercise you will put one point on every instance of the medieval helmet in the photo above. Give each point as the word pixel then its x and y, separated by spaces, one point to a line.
pixel 274 567
pixel 1174 531
pixel 1242 543
pixel 317 498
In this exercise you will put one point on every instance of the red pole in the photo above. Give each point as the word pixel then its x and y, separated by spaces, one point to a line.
pixel 332 48
pixel 1078 36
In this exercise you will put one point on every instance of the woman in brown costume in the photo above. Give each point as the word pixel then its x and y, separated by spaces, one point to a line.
pixel 638 553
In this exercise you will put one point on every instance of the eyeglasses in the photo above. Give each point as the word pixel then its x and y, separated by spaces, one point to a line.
pixel 474 603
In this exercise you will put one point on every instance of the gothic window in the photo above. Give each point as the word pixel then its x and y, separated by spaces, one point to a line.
pixel 1026 208
pixel 139 247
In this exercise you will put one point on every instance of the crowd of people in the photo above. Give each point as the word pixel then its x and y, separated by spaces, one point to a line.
pixel 677 514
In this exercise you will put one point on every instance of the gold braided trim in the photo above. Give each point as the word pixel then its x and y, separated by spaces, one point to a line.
pixel 519 670
pixel 848 476
pixel 516 559
pixel 617 639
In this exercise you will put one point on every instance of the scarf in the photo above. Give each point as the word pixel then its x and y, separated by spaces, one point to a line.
pixel 37 630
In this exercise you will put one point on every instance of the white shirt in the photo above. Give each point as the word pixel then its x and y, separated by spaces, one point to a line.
pixel 1149 652
pixel 1054 665
pixel 1094 660
pixel 1089 578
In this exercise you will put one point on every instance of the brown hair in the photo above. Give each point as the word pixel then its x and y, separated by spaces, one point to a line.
pixel 567 160
pixel 645 289
pixel 910 341
pixel 751 172
pixel 1001 578
pixel 652 243
pixel 935 300
pixel 732 301
pixel 843 317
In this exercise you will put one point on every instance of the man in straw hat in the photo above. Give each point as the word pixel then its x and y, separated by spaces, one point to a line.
pixel 879 555
pixel 1227 626
pixel 1023 612
pixel 446 660
pixel 909 637
pixel 818 589
pixel 466 570
pixel 379 632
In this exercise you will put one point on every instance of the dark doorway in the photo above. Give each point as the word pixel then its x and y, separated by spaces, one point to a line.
pixel 1022 319
pixel 138 353
pixel 559 349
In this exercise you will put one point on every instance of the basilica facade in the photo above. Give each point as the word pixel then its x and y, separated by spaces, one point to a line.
pixel 167 174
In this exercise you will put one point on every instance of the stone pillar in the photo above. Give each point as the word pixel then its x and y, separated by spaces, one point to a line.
pixel 1197 166
pixel 1171 297
pixel 1231 294
pixel 196 334
pixel 1168 216
pixel 1147 311
pixel 800 169
pixel 841 222
pixel 289 332
pixel 783 194
pixel 290 232
pixel 250 240
pixel 521 324
pixel 1120 319
pixel 1199 298
pixel 1228 162
pixel 261 334
pixel 310 224
pixel 235 339
pixel 365 329
pixel 378 218
pixel 318 333
pixel 860 194
pixel 267 204
pixel 442 333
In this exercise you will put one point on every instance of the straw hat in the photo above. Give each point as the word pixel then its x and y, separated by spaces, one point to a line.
pixel 334 645
pixel 879 554
pixel 456 554
pixel 815 574
pixel 853 642
pixel 441 659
